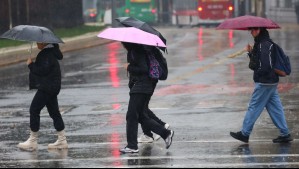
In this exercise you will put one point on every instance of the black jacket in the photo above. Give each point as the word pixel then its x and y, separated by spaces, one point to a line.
pixel 262 50
pixel 138 70
pixel 45 73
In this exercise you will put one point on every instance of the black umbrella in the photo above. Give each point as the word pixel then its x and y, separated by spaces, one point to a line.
pixel 132 22
pixel 31 34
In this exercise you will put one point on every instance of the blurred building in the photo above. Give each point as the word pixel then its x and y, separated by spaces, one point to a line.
pixel 48 13
pixel 281 10
pixel 186 12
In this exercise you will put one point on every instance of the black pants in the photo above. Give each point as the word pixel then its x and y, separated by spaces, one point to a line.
pixel 136 113
pixel 151 115
pixel 40 100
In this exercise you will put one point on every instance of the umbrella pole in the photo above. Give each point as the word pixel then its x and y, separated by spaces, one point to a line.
pixel 30 51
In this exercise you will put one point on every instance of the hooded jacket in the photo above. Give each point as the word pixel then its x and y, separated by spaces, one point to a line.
pixel 45 73
pixel 262 50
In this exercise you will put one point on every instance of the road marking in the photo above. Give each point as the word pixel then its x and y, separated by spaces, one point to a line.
pixel 217 165
pixel 158 108
pixel 196 71
pixel 137 157
pixel 204 68
pixel 206 141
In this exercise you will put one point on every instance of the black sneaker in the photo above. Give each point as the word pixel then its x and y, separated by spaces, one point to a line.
pixel 283 139
pixel 239 136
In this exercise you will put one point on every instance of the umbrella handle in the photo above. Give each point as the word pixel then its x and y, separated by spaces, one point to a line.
pixel 30 51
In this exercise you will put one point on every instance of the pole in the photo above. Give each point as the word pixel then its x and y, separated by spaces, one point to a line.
pixel 247 7
pixel 10 15
pixel 113 14
pixel 27 11
pixel 160 14
pixel 236 8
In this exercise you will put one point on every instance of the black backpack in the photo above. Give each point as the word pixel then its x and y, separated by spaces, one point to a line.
pixel 163 64
pixel 282 65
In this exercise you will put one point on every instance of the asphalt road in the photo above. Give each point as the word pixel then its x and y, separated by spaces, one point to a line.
pixel 204 98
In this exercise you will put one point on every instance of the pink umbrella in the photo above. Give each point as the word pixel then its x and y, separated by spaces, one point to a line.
pixel 245 22
pixel 132 35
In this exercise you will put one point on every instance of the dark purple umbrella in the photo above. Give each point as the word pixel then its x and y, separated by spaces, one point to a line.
pixel 246 22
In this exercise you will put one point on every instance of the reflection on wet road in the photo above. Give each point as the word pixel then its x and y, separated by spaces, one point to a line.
pixel 204 98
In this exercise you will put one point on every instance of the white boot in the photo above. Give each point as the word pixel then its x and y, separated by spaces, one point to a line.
pixel 31 143
pixel 61 142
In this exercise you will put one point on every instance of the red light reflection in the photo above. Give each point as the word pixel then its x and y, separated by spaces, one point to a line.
pixel 116 119
pixel 115 139
pixel 200 44
pixel 231 38
pixel 113 61
pixel 116 106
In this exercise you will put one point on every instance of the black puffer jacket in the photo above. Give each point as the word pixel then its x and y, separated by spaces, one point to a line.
pixel 262 50
pixel 45 73
pixel 138 70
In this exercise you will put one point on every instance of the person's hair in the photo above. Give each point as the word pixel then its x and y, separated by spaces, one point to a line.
pixel 263 34
pixel 56 45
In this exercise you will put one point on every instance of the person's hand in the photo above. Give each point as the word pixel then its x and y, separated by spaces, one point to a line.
pixel 126 66
pixel 29 61
pixel 248 48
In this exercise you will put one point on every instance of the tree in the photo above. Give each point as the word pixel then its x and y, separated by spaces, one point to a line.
pixel 48 13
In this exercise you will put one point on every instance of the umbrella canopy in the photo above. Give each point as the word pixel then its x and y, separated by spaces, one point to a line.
pixel 32 34
pixel 132 35
pixel 245 22
pixel 132 22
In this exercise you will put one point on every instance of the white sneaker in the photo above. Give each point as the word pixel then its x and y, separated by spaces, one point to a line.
pixel 168 140
pixel 145 139
pixel 156 136
pixel 128 150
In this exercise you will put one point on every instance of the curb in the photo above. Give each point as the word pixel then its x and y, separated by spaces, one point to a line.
pixel 14 55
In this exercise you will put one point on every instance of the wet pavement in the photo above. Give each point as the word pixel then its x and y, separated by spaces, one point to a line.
pixel 205 97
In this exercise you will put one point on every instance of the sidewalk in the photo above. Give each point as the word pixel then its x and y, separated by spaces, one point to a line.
pixel 287 26
pixel 12 55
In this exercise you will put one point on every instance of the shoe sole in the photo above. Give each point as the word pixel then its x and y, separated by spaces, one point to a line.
pixel 287 141
pixel 167 147
pixel 145 141
pixel 28 149
pixel 58 147
pixel 129 152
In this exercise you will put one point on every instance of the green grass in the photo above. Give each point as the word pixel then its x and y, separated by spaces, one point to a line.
pixel 62 33
pixel 65 33
pixel 8 43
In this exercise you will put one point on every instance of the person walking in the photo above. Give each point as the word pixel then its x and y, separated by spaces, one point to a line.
pixel 148 136
pixel 265 94
pixel 141 89
pixel 45 75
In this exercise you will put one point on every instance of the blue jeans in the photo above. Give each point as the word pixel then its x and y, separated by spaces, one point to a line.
pixel 265 96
